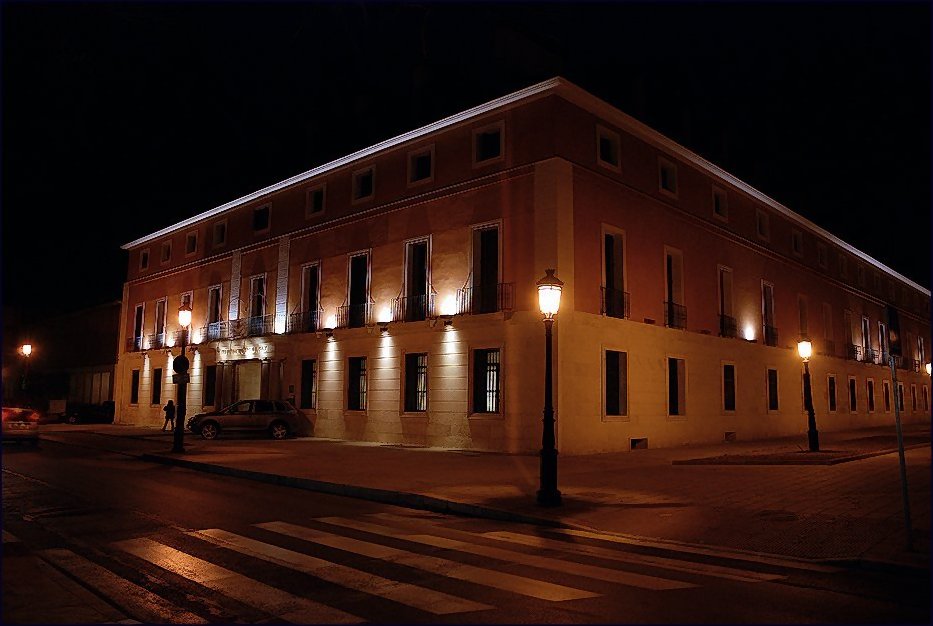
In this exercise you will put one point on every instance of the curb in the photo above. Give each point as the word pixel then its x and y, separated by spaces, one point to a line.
pixel 765 461
pixel 878 565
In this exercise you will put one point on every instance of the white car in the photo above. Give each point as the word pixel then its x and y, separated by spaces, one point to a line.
pixel 20 424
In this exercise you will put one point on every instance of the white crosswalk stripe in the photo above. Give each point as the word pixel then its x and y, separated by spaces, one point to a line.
pixel 421 598
pixel 129 597
pixel 242 588
pixel 621 577
pixel 487 577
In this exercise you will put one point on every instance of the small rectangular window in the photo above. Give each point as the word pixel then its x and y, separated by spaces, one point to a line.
pixel 762 224
pixel 676 386
pixel 166 252
pixel 607 148
pixel 416 382
pixel 720 204
pixel 796 240
pixel 831 391
pixel 220 234
pixel 667 176
pixel 486 380
pixel 157 386
pixel 870 394
pixel 487 143
pixel 363 184
pixel 926 398
pixel 421 165
pixel 134 387
pixel 900 397
pixel 314 201
pixel 210 385
pixel 886 395
pixel 853 395
pixel 821 255
pixel 913 397
pixel 728 387
pixel 144 259
pixel 309 384
pixel 616 383
pixel 356 384
pixel 191 243
pixel 772 389
pixel 261 218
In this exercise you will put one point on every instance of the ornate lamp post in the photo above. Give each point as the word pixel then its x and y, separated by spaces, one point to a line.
pixel 549 289
pixel 805 349
pixel 180 365
pixel 26 350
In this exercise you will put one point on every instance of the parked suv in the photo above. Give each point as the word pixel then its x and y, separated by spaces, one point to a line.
pixel 279 419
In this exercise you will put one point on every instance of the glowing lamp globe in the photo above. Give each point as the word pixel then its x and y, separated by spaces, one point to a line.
pixel 804 349
pixel 929 369
pixel 184 315
pixel 27 350
pixel 549 289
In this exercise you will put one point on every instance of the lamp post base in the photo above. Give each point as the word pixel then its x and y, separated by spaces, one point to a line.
pixel 813 437
pixel 548 494
pixel 549 498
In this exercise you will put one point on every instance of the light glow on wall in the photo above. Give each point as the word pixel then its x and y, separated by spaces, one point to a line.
pixel 279 327
pixel 749 332
pixel 385 315
pixel 449 306
pixel 331 321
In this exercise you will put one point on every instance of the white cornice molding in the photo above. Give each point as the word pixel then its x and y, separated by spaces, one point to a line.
pixel 575 95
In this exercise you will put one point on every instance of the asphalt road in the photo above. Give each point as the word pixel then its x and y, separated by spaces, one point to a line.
pixel 92 535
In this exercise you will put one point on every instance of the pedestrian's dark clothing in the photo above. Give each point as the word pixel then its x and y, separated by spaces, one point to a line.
pixel 169 415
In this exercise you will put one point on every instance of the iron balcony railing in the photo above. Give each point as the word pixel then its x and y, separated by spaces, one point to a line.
pixel 727 326
pixel 214 331
pixel 413 308
pixel 771 335
pixel 675 315
pixel 870 355
pixel 156 341
pixel 489 298
pixel 853 352
pixel 915 365
pixel 354 315
pixel 254 326
pixel 134 344
pixel 614 303
pixel 304 322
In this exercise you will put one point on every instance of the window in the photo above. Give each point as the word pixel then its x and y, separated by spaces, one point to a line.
pixel 676 386
pixel 728 387
pixel 876 282
pixel 921 351
pixel 803 315
pixel 157 386
pixel 220 233
pixel 356 384
pixel 261 218
pixel 416 382
pixel 417 304
pixel 614 300
pixel 831 392
pixel 210 385
pixel 607 148
pixel 421 166
pixel 900 397
pixel 843 266
pixel 134 387
pixel 138 317
pixel 828 328
pixel 883 342
pixel 166 252
pixel 257 296
pixel 358 291
pixel 727 324
pixel 926 398
pixel 767 314
pixel 191 243
pixel 675 313
pixel 616 383
pixel 214 316
pixel 866 340
pixel 860 273
pixel 486 296
pixel 160 312
pixel 720 204
pixel 886 395
pixel 308 384
pixel 853 395
pixel 913 397
pixel 487 143
pixel 762 224
pixel 796 241
pixel 821 255
pixel 363 184
pixel 310 298
pixel 772 389
pixel 667 176
pixel 314 201
pixel 144 259
pixel 486 380
pixel 870 394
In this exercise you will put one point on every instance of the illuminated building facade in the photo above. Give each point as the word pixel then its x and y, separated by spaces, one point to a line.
pixel 391 294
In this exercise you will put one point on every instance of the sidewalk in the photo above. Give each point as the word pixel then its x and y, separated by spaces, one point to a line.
pixel 846 511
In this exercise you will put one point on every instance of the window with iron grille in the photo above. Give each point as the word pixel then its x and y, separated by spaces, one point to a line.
pixel 616 383
pixel 486 380
pixel 309 384
pixel 676 386
pixel 772 390
pixel 356 384
pixel 416 382
pixel 886 393
pixel 157 386
pixel 870 394
pixel 134 387
pixel 853 395
pixel 831 392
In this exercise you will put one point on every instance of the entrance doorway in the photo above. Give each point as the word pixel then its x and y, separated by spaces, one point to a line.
pixel 249 379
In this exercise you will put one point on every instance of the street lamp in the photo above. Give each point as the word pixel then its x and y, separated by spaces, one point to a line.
pixel 180 365
pixel 26 349
pixel 805 349
pixel 929 369
pixel 549 289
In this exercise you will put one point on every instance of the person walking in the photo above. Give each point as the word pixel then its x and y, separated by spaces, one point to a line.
pixel 169 415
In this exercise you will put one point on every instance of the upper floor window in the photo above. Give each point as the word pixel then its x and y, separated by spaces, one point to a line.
pixel 667 176
pixel 607 148
pixel 314 201
pixel 720 204
pixel 364 184
pixel 821 255
pixel 488 143
pixel 796 242
pixel 261 218
pixel 421 165
pixel 144 259
pixel 843 265
pixel 220 233
pixel 166 252
pixel 762 224
pixel 191 243
pixel 860 273
pixel 877 282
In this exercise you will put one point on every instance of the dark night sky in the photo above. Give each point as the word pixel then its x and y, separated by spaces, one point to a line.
pixel 119 120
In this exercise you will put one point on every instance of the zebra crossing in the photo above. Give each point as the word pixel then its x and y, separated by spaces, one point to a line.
pixel 324 570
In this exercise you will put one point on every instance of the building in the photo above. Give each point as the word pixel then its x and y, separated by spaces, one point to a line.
pixel 391 294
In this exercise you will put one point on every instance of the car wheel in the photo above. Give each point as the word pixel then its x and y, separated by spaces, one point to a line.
pixel 73 419
pixel 278 430
pixel 210 430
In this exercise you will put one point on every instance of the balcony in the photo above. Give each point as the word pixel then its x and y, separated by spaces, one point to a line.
pixel 489 298
pixel 675 315
pixel 354 315
pixel 134 344
pixel 413 308
pixel 255 326
pixel 214 331
pixel 155 341
pixel 771 335
pixel 915 365
pixel 727 326
pixel 614 303
pixel 853 352
pixel 304 322
pixel 871 355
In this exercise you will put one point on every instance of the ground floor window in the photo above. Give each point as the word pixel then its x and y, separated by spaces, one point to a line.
pixel 870 394
pixel 134 387
pixel 926 398
pixel 853 395
pixel 616 383
pixel 416 382
pixel 309 384
pixel 486 380
pixel 728 387
pixel 900 396
pixel 157 386
pixel 913 397
pixel 773 404
pixel 210 385
pixel 356 384
pixel 831 390
pixel 676 386
pixel 886 393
